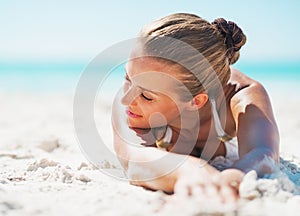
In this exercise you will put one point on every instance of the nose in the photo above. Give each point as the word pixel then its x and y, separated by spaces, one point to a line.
pixel 129 97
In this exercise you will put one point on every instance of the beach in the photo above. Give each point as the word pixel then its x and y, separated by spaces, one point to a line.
pixel 62 64
pixel 44 172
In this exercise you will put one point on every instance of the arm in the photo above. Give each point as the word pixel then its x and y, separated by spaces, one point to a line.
pixel 156 169
pixel 181 174
pixel 257 131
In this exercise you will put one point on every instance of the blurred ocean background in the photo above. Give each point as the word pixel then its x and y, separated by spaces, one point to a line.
pixel 63 77
pixel 46 46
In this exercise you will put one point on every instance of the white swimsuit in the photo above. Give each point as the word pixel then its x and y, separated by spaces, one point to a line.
pixel 232 155
pixel 231 144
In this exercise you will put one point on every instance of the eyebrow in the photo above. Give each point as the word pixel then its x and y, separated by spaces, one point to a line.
pixel 127 77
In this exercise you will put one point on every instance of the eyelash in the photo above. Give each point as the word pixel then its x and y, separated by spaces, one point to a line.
pixel 146 98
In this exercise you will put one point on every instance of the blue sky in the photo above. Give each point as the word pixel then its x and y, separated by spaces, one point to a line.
pixel 68 30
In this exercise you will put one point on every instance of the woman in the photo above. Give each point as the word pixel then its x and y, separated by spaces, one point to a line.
pixel 182 96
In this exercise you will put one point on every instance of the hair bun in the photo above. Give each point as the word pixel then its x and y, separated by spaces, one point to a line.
pixel 234 37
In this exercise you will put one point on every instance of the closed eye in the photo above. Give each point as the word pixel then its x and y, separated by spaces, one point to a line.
pixel 146 97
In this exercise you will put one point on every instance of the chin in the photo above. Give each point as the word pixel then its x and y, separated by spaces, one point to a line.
pixel 134 123
pixel 142 124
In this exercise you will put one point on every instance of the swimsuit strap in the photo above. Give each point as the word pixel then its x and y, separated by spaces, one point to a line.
pixel 222 136
pixel 163 136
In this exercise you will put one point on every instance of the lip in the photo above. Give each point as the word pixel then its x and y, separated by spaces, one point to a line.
pixel 132 115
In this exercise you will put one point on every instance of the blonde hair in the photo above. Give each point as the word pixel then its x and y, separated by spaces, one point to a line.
pixel 218 42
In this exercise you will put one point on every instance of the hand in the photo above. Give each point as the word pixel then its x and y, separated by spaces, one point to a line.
pixel 208 182
pixel 194 177
pixel 229 181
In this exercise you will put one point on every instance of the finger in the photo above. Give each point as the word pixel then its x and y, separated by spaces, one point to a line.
pixel 235 185
pixel 182 189
pixel 135 182
pixel 212 191
pixel 230 175
pixel 198 191
pixel 216 179
pixel 228 194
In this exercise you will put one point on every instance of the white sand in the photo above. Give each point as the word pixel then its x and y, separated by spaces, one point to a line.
pixel 43 172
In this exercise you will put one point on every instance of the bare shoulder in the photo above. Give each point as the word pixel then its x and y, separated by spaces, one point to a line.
pixel 247 91
pixel 241 80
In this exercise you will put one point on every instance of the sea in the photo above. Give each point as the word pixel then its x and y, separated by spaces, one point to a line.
pixel 47 77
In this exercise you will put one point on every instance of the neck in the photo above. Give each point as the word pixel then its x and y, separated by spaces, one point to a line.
pixel 189 122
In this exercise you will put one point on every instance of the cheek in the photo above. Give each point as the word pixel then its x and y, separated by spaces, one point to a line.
pixel 162 113
pixel 171 113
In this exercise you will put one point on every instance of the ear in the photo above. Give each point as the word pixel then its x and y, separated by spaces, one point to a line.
pixel 198 101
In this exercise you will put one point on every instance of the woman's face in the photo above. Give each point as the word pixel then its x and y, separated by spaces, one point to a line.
pixel 150 94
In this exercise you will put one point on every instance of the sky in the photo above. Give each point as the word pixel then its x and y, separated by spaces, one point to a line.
pixel 79 30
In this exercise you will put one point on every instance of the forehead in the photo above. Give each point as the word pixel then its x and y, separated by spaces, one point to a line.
pixel 152 64
pixel 144 64
pixel 153 74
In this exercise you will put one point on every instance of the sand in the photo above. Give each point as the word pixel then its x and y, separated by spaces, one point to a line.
pixel 43 171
